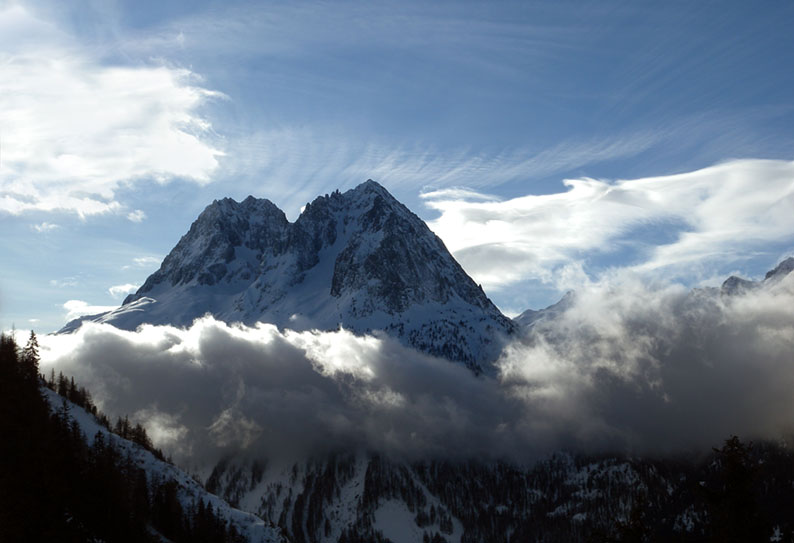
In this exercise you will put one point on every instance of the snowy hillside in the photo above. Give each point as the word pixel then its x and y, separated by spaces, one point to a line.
pixel 359 259
pixel 189 492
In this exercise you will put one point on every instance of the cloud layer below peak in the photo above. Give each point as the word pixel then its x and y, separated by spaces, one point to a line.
pixel 625 367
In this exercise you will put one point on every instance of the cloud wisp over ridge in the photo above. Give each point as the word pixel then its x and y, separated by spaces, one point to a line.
pixel 626 367
pixel 721 214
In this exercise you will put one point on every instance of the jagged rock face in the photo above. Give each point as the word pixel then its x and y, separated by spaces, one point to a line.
pixel 409 264
pixel 359 259
pixel 202 255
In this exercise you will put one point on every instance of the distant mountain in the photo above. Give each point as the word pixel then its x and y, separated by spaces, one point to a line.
pixel 529 317
pixel 731 286
pixel 359 259
pixel 737 285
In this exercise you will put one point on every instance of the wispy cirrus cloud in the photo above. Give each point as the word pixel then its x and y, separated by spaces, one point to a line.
pixel 300 164
pixel 464 33
pixel 64 282
pixel 75 129
pixel 721 214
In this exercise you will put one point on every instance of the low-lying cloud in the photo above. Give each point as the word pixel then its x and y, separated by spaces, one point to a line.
pixel 627 367
pixel 219 386
pixel 663 370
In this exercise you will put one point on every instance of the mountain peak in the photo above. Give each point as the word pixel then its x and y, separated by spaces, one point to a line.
pixel 359 258
pixel 363 195
pixel 372 186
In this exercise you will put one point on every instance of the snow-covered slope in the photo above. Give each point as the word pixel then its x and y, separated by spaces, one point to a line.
pixel 339 497
pixel 253 528
pixel 358 259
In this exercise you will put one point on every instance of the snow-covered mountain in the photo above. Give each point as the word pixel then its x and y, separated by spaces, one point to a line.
pixel 359 259
pixel 731 286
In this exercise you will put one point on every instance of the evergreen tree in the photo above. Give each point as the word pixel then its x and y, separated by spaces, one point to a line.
pixel 30 359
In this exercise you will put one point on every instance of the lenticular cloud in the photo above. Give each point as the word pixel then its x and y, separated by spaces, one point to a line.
pixel 626 367
pixel 715 214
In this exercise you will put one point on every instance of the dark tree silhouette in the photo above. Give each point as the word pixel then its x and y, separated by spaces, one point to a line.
pixel 55 487
pixel 732 502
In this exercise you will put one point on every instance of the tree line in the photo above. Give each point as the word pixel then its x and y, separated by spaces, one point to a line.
pixel 56 486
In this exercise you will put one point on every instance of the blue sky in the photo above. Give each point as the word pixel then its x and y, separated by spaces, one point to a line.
pixel 548 143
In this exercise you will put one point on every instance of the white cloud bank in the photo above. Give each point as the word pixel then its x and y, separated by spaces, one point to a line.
pixel 626 367
pixel 719 214
pixel 74 129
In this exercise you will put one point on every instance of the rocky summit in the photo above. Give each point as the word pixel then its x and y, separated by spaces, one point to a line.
pixel 359 259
